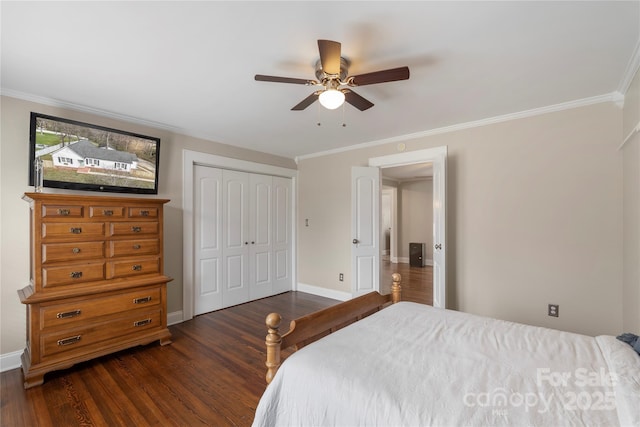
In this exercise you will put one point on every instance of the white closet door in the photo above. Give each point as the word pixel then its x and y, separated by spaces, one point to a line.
pixel 282 235
pixel 208 239
pixel 235 251
pixel 260 232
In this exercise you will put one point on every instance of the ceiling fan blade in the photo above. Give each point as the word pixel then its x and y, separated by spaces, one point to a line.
pixel 306 102
pixel 356 100
pixel 329 56
pixel 391 75
pixel 262 78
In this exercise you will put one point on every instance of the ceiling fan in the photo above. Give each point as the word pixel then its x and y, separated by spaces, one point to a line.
pixel 332 75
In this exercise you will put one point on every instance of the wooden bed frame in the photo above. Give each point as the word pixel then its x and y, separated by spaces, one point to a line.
pixel 314 326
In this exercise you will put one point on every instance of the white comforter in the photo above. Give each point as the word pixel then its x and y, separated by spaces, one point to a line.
pixel 413 365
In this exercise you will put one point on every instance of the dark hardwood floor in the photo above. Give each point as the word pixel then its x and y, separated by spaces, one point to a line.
pixel 212 374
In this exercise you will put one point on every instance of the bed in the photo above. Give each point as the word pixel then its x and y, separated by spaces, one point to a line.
pixel 389 363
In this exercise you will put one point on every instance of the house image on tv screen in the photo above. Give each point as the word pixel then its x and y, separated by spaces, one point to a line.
pixel 83 154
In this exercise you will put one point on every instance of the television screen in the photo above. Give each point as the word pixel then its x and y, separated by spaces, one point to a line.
pixel 81 156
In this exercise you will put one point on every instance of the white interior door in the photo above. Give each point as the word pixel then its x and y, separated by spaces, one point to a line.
pixel 365 229
pixel 437 156
pixel 260 233
pixel 282 234
pixel 235 238
pixel 439 222
pixel 207 239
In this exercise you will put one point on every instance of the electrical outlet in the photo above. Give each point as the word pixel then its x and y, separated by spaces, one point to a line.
pixel 554 310
pixel 341 277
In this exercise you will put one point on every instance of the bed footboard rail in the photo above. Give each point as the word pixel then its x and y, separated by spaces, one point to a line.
pixel 314 326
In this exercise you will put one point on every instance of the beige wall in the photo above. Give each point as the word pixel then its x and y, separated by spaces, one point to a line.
pixel 415 223
pixel 14 227
pixel 631 222
pixel 631 114
pixel 534 216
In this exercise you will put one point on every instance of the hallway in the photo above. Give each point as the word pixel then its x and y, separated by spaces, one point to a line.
pixel 417 282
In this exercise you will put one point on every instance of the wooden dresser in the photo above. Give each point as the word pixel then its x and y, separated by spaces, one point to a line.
pixel 97 283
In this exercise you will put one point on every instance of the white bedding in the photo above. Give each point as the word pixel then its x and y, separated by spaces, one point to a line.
pixel 413 365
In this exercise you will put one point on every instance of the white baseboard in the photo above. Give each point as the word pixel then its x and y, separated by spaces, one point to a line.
pixel 323 292
pixel 10 361
pixel 175 318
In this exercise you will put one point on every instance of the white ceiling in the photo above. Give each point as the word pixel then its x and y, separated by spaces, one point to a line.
pixel 190 66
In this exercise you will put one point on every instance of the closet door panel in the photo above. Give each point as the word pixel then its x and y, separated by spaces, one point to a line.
pixel 235 239
pixel 207 239
pixel 282 234
pixel 261 232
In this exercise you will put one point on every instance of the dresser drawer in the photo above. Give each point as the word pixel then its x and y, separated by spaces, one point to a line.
pixel 77 338
pixel 105 212
pixel 52 316
pixel 73 230
pixel 134 267
pixel 62 211
pixel 133 228
pixel 72 274
pixel 143 212
pixel 118 248
pixel 54 252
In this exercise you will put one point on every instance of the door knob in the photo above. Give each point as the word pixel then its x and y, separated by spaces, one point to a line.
pixel 356 241
pixel 438 246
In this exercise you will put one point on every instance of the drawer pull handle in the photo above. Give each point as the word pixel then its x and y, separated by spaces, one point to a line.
pixel 136 246
pixel 141 322
pixel 141 300
pixel 107 212
pixel 136 229
pixel 68 314
pixel 144 213
pixel 76 274
pixel 70 340
pixel 75 250
pixel 76 230
pixel 64 212
pixel 137 267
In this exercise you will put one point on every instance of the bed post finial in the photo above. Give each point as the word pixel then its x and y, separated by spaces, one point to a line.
pixel 273 342
pixel 396 289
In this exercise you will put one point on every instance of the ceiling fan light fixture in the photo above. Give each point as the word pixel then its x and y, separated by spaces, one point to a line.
pixel 331 99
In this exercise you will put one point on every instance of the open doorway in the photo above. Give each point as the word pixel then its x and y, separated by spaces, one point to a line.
pixel 406 234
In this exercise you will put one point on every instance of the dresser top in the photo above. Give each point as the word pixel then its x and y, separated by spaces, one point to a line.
pixel 79 198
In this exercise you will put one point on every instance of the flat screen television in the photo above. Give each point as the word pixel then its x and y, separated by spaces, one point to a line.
pixel 81 156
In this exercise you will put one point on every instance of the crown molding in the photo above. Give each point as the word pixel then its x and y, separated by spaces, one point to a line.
pixel 615 97
pixel 86 109
pixel 632 68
